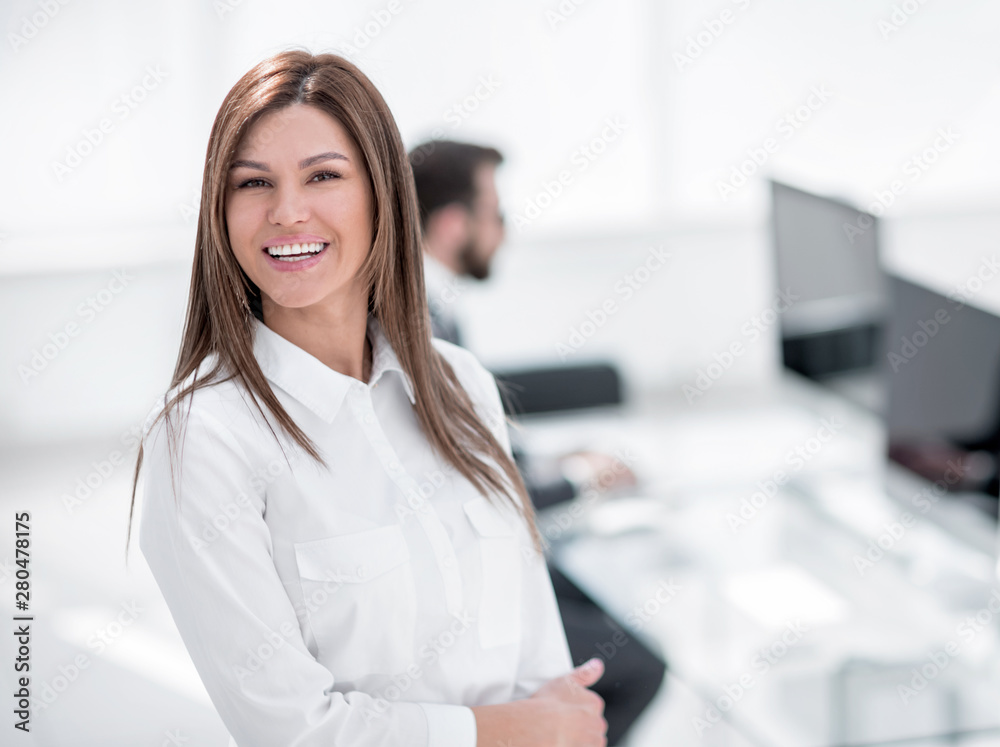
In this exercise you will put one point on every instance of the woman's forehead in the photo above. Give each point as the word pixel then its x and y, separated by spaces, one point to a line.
pixel 294 128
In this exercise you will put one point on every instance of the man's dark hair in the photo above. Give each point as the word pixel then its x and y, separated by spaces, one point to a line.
pixel 444 172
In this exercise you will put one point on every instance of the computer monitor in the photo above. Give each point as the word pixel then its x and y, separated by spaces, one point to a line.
pixel 941 364
pixel 827 254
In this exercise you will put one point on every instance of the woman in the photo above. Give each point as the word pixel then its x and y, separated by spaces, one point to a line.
pixel 354 562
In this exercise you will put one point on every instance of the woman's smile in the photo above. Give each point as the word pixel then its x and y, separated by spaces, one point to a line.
pixel 295 253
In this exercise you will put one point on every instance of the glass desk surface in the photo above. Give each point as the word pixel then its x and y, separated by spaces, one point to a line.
pixel 815 613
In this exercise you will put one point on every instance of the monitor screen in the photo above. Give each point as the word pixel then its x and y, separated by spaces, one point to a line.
pixel 826 254
pixel 941 363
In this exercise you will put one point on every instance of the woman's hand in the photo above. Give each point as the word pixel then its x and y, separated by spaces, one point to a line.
pixel 562 713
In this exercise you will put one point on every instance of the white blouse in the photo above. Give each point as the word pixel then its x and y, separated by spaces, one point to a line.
pixel 370 603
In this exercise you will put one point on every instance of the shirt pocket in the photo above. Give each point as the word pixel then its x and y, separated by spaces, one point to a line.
pixel 358 591
pixel 500 603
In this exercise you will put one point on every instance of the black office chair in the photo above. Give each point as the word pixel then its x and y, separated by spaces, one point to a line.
pixel 536 390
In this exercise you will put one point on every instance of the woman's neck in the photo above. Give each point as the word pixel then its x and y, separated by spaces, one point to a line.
pixel 338 340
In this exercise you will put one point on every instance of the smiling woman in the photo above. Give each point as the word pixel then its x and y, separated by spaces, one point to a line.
pixel 273 191
pixel 382 581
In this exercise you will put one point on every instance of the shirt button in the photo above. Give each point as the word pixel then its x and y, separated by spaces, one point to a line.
pixel 369 418
pixel 449 561
pixel 394 466
pixel 361 571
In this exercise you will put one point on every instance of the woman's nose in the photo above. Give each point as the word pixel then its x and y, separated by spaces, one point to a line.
pixel 290 206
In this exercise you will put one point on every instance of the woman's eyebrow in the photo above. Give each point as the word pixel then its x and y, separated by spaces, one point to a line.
pixel 328 156
pixel 303 164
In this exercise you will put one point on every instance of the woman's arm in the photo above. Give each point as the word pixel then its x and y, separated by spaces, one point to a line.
pixel 563 713
pixel 544 652
pixel 236 619
pixel 552 706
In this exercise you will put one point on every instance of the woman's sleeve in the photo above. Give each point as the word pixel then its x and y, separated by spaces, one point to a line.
pixel 544 652
pixel 237 622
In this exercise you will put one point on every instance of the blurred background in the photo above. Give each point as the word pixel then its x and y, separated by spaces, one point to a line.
pixel 823 180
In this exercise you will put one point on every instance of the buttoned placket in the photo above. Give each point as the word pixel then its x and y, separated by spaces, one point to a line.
pixel 360 402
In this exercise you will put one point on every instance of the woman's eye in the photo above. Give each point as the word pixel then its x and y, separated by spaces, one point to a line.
pixel 255 182
pixel 324 176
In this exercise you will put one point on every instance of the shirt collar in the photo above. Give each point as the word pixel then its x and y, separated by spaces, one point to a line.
pixel 311 381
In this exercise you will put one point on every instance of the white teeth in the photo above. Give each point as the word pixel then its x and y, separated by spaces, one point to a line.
pixel 292 249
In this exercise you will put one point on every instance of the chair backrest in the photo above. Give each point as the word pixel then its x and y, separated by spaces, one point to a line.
pixel 537 390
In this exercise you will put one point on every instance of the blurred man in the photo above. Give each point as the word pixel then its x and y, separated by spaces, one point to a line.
pixel 463 228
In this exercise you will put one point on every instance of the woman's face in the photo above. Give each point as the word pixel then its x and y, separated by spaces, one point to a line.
pixel 299 209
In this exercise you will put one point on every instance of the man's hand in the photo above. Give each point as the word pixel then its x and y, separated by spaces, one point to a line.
pixel 598 470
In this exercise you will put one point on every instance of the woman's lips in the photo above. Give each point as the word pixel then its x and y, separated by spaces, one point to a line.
pixel 292 257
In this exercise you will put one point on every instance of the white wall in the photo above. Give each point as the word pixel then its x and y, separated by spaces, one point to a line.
pixel 555 85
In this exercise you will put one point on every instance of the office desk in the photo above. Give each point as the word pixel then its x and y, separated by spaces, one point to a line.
pixel 783 583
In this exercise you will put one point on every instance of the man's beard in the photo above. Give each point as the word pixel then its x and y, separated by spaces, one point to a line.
pixel 472 263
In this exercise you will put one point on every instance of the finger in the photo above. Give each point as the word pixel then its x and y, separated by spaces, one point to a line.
pixel 589 672
pixel 595 703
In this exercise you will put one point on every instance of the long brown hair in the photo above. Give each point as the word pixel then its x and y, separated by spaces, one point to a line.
pixel 223 300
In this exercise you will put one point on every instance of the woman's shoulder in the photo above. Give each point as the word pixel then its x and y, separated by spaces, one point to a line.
pixel 219 402
pixel 479 383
